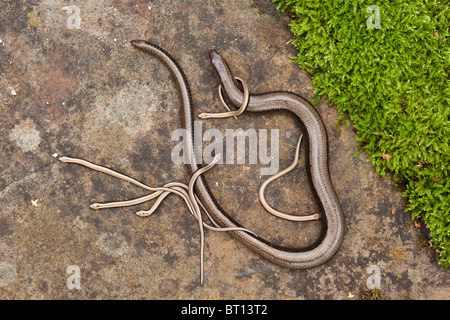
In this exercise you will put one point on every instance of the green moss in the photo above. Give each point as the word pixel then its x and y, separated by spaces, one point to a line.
pixel 393 84
pixel 375 294
pixel 408 296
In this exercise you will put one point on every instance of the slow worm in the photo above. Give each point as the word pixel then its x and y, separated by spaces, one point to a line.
pixel 229 113
pixel 296 258
pixel 161 192
pixel 276 176
pixel 158 192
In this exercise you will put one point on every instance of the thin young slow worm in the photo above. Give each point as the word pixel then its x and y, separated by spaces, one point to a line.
pixel 229 113
pixel 158 192
pixel 161 192
pixel 223 101
pixel 277 213
pixel 318 163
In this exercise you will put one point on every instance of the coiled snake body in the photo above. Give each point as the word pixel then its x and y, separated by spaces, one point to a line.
pixel 318 162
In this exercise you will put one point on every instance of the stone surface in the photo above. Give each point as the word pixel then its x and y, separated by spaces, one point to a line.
pixel 87 93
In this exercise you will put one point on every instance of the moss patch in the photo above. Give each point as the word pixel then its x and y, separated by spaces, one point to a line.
pixel 375 294
pixel 386 66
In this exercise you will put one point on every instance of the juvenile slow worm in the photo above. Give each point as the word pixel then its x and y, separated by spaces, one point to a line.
pixel 161 192
pixel 318 162
pixel 229 113
pixel 158 192
pixel 276 176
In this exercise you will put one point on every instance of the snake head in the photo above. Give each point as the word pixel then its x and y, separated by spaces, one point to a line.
pixel 219 63
pixel 214 55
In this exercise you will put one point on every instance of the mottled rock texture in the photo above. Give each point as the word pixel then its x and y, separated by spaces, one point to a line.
pixel 87 93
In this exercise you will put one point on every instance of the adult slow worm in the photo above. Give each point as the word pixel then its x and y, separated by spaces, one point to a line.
pixel 318 162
